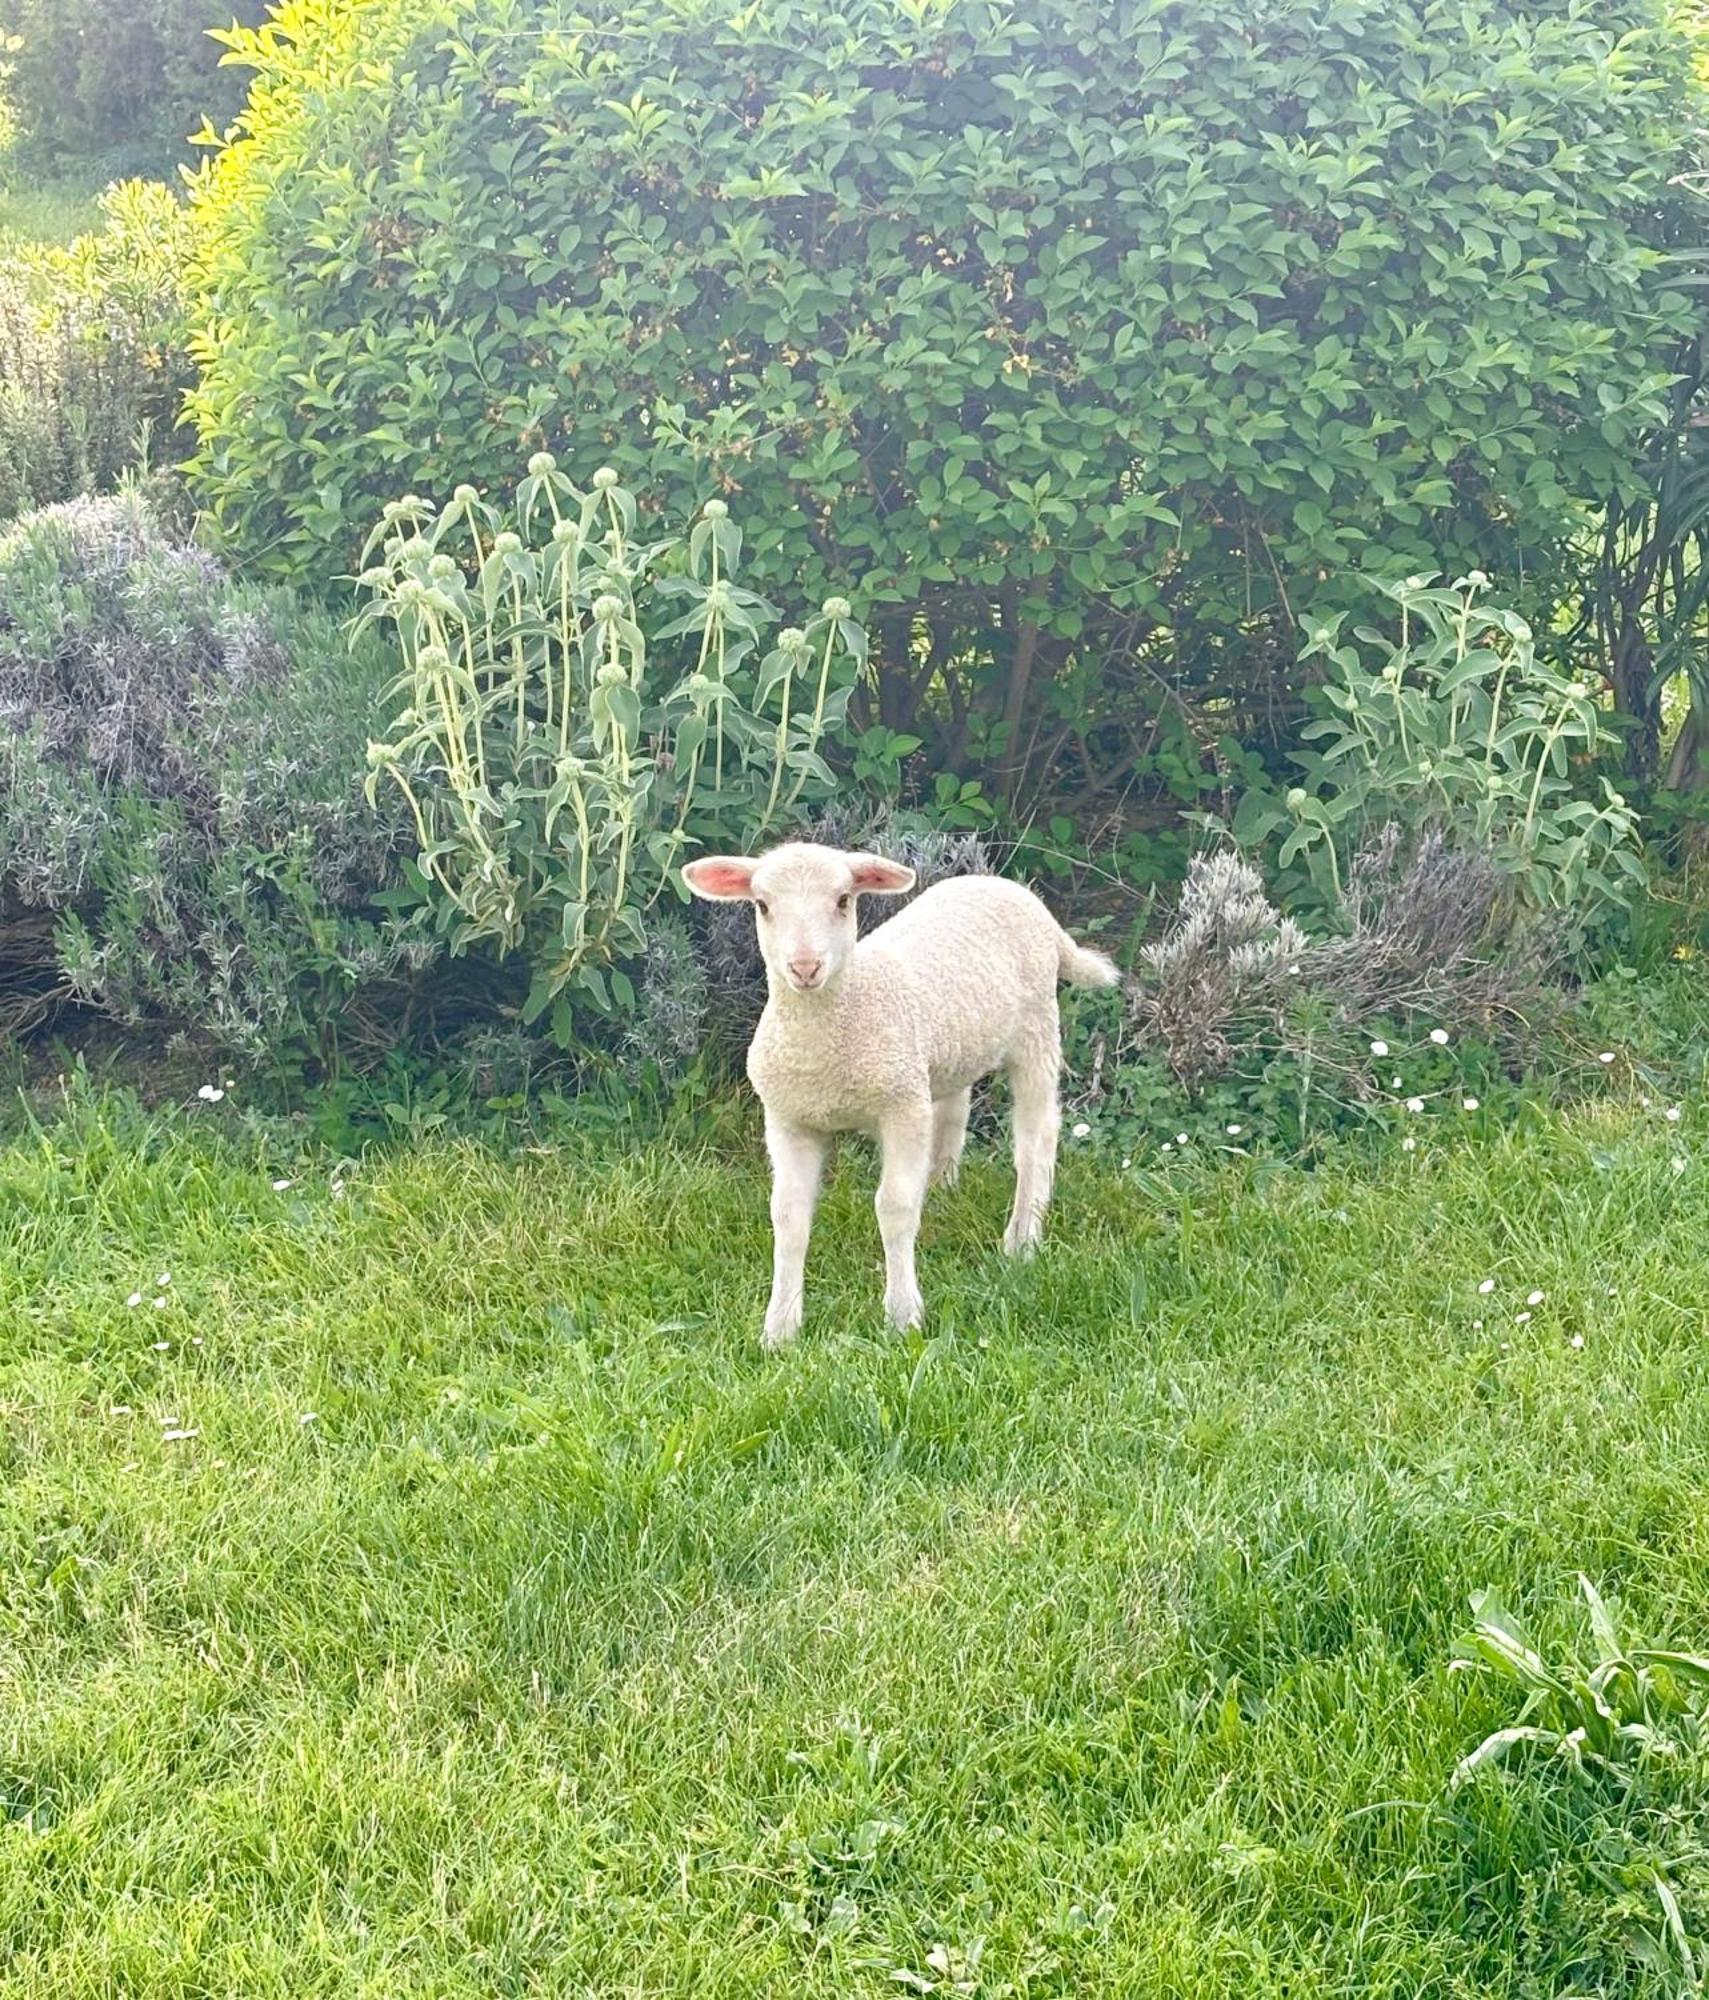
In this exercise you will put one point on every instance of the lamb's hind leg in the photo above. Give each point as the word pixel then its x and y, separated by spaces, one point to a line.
pixel 1034 1070
pixel 905 1138
pixel 949 1134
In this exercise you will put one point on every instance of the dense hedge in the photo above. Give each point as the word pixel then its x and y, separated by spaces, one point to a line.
pixel 1069 340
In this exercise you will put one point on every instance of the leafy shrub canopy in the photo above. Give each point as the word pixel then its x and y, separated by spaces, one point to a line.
pixel 1061 328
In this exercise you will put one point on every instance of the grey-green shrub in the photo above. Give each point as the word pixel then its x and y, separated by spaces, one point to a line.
pixel 183 840
pixel 1080 344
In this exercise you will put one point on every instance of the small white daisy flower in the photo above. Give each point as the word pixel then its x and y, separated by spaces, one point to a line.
pixel 1672 1114
pixel 135 1299
pixel 1082 1130
pixel 161 1346
pixel 1409 1144
pixel 160 1303
pixel 1678 1164
pixel 1379 1048
pixel 1440 1037
pixel 1127 1162
pixel 164 1279
pixel 1521 1318
pixel 210 1093
pixel 1533 1298
pixel 1168 1146
pixel 1607 1056
pixel 308 1417
pixel 1487 1286
pixel 1576 1341
pixel 1415 1104
pixel 177 1437
pixel 1234 1131
pixel 1394 1083
pixel 1468 1103
pixel 1180 1138
pixel 279 1187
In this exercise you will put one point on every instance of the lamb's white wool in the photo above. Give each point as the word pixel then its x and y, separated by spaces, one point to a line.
pixel 888 1034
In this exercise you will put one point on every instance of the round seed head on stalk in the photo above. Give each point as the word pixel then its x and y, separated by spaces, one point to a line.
pixel 442 569
pixel 604 479
pixel 541 465
pixel 720 596
pixel 703 687
pixel 375 579
pixel 465 496
pixel 608 608
pixel 433 660
pixel 411 592
pixel 507 544
pixel 1296 798
pixel 611 675
pixel 567 531
pixel 715 510
pixel 416 549
pixel 381 754
pixel 792 640
pixel 837 607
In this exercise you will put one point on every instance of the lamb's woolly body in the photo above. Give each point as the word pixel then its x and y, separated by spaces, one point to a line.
pixel 887 1034
pixel 950 989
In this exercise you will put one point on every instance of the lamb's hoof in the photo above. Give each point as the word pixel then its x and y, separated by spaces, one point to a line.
pixel 1020 1243
pixel 947 1175
pixel 905 1314
pixel 780 1332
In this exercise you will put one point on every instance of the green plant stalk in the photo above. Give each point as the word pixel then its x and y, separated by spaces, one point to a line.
pixel 782 746
pixel 815 728
pixel 1543 755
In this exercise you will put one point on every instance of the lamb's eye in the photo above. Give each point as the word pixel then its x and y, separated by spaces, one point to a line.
pixel 763 908
pixel 842 902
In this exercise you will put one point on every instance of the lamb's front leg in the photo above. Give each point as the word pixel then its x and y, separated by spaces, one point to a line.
pixel 797 1162
pixel 905 1139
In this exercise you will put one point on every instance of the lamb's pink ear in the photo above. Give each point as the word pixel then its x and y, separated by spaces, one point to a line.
pixel 721 878
pixel 874 876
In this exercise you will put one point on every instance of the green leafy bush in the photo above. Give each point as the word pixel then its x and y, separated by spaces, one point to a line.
pixel 1085 344
pixel 93 366
pixel 183 839
pixel 125 79
pixel 1463 727
pixel 580 705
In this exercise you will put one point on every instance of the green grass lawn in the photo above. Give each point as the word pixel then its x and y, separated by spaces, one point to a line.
pixel 51 212
pixel 441 1594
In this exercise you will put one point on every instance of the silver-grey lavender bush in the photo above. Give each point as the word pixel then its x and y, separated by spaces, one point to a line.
pixel 183 838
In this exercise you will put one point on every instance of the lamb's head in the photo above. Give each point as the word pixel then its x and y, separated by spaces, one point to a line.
pixel 804 904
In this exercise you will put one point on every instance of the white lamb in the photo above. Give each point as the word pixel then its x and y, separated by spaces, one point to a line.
pixel 888 1035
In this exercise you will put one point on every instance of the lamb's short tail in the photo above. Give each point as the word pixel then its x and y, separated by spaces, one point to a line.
pixel 1081 967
